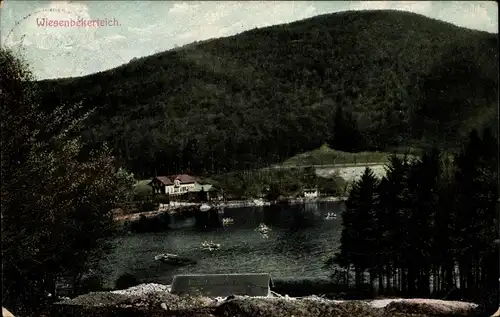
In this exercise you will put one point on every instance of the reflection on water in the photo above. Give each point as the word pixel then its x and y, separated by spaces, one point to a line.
pixel 299 242
pixel 208 220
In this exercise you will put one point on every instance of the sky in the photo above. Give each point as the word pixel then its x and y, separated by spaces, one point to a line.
pixel 126 29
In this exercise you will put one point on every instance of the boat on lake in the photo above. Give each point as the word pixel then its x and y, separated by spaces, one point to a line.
pixel 262 228
pixel 259 202
pixel 174 259
pixel 331 215
pixel 205 207
pixel 227 221
pixel 210 246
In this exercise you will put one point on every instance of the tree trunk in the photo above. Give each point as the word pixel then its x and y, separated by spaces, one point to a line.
pixel 381 281
pixel 388 278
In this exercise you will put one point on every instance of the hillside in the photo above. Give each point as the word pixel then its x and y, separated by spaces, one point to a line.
pixel 267 94
pixel 327 156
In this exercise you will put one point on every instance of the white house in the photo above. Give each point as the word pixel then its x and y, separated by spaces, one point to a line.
pixel 173 185
pixel 311 193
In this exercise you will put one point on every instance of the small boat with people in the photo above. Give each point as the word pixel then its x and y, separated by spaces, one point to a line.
pixel 227 221
pixel 331 215
pixel 262 228
pixel 210 246
pixel 259 202
pixel 205 207
pixel 174 259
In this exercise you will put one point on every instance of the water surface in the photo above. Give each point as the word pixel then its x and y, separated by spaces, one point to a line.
pixel 298 245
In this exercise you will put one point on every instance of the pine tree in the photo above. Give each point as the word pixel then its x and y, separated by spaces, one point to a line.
pixel 477 195
pixel 358 242
pixel 392 212
pixel 345 133
pixel 423 193
pixel 444 228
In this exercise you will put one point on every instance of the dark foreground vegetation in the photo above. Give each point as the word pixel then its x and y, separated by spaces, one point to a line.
pixel 429 226
pixel 56 205
pixel 264 95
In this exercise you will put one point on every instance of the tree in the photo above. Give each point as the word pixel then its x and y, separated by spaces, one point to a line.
pixel 56 207
pixel 358 242
pixel 202 195
pixel 432 215
pixel 423 185
pixel 345 134
pixel 476 180
pixel 392 211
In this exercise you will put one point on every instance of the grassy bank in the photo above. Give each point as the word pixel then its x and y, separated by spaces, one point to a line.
pixel 327 156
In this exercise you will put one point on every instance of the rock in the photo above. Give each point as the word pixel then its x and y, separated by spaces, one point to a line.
pixel 318 307
pixel 154 300
pixel 129 303
pixel 262 307
pixel 433 307
pixel 143 289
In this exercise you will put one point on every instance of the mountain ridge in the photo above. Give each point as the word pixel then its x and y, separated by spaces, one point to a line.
pixel 266 94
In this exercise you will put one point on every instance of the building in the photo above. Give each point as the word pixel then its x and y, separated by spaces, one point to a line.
pixel 311 193
pixel 178 185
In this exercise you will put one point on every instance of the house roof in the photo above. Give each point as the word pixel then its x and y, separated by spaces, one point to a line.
pixel 222 285
pixel 169 180
pixel 184 178
pixel 163 179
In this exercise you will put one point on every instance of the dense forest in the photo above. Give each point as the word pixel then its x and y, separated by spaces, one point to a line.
pixel 370 80
pixel 429 226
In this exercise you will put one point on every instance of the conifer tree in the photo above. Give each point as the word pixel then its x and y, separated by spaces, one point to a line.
pixel 358 240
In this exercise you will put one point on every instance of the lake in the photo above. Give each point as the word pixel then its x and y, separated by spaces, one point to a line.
pixel 297 247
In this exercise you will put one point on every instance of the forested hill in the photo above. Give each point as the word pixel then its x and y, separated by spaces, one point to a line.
pixel 266 94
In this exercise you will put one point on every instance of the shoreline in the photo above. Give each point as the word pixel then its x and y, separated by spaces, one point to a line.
pixel 273 303
pixel 176 207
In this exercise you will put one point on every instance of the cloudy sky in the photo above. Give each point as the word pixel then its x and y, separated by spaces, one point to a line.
pixel 141 28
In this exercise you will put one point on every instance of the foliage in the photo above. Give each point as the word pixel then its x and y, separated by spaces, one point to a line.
pixel 142 190
pixel 426 218
pixel 275 182
pixel 357 220
pixel 264 95
pixel 345 135
pixel 56 207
